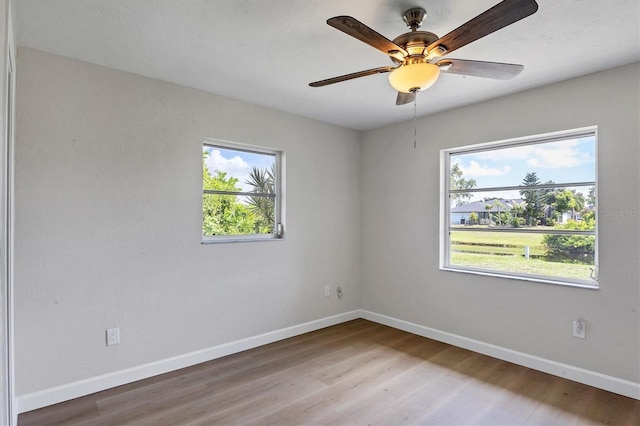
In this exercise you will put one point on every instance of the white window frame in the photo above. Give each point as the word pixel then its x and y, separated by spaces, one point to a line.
pixel 445 207
pixel 279 226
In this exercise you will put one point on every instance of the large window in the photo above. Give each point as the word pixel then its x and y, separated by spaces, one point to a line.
pixel 241 193
pixel 523 208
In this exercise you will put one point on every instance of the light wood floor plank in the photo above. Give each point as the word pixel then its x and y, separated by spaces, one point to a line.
pixel 354 373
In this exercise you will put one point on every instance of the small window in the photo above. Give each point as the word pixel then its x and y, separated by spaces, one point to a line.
pixel 523 208
pixel 242 192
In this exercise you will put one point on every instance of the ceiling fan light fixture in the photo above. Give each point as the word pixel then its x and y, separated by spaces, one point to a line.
pixel 414 77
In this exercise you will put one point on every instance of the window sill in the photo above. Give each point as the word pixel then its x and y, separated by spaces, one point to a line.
pixel 223 239
pixel 534 279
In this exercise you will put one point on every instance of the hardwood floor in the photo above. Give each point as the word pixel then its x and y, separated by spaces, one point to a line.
pixel 358 372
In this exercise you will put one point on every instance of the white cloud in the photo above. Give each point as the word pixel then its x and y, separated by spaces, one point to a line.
pixel 516 153
pixel 475 169
pixel 234 167
pixel 555 155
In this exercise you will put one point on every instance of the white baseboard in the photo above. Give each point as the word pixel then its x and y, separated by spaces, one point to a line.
pixel 591 378
pixel 80 388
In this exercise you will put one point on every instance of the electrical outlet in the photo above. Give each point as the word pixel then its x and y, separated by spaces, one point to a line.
pixel 579 329
pixel 327 291
pixel 113 336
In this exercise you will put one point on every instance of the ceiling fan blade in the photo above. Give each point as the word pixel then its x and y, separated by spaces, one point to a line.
pixel 499 16
pixel 357 29
pixel 495 70
pixel 405 98
pixel 380 70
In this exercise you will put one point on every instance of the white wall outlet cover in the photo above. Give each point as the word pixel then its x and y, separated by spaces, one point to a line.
pixel 113 336
pixel 579 329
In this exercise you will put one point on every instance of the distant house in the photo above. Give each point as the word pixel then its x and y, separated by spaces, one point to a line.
pixel 460 214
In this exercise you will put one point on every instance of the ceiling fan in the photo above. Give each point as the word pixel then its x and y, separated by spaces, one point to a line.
pixel 418 55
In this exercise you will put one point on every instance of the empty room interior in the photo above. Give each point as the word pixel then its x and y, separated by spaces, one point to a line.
pixel 404 212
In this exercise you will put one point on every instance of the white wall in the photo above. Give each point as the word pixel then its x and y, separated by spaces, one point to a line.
pixel 108 172
pixel 400 190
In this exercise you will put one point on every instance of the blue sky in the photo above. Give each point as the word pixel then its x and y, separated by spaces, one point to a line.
pixel 566 161
pixel 571 160
pixel 236 164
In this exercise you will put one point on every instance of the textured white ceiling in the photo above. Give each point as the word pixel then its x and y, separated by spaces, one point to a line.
pixel 266 52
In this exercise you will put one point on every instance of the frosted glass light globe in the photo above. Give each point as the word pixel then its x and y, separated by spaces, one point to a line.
pixel 414 77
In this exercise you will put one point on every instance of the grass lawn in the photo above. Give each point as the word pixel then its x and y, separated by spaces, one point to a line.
pixel 505 252
pixel 521 239
pixel 520 264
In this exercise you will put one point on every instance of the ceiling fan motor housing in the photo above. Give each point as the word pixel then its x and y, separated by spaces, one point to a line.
pixel 414 42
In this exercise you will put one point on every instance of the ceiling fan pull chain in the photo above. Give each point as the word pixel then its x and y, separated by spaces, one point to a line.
pixel 415 126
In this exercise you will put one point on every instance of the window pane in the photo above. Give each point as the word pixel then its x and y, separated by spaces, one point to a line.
pixel 526 208
pixel 247 202
pixel 552 255
pixel 240 171
pixel 570 160
pixel 236 215
pixel 523 208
